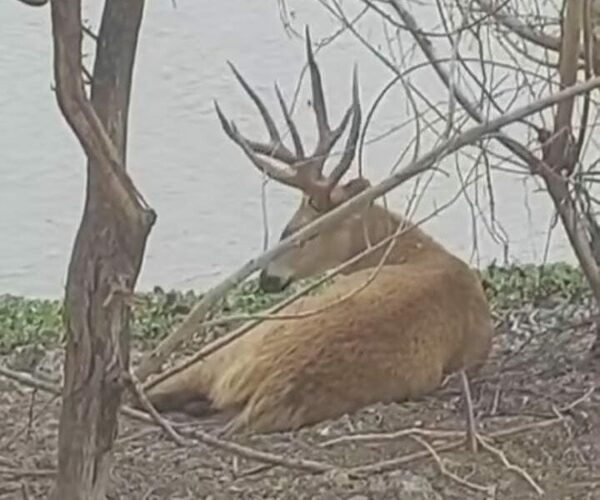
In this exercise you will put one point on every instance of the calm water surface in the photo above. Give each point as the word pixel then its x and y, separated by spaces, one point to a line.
pixel 207 195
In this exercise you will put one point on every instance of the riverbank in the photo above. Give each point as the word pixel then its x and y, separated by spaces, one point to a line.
pixel 25 320
pixel 535 399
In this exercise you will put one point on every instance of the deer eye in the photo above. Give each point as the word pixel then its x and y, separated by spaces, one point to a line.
pixel 311 204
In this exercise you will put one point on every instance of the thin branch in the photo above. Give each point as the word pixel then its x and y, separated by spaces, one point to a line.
pixel 136 388
pixel 81 117
pixel 521 29
pixel 488 490
pixel 510 466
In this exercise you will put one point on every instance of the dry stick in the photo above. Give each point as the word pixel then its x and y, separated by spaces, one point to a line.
pixel 19 473
pixel 136 388
pixel 311 466
pixel 510 466
pixel 390 436
pixel 153 360
pixel 387 465
pixel 25 491
pixel 19 432
pixel 470 416
pixel 451 475
pixel 579 400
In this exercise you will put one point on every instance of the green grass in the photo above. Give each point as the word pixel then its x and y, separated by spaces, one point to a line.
pixel 32 321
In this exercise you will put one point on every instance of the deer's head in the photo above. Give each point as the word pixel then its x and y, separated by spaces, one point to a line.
pixel 320 193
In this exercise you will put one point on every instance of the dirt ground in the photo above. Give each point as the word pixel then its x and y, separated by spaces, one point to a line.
pixel 536 403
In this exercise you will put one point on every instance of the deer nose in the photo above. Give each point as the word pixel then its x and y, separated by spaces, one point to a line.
pixel 270 283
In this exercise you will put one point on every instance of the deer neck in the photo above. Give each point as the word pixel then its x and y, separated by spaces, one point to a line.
pixel 377 224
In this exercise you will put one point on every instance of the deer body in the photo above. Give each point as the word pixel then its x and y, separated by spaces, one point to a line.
pixel 382 333
pixel 423 316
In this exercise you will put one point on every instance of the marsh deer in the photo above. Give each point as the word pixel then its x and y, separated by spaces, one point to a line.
pixel 422 316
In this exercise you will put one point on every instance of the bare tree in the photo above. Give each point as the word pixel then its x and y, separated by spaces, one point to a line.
pixel 109 245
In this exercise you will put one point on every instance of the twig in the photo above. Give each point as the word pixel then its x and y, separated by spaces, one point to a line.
pixel 311 466
pixel 578 401
pixel 19 473
pixel 25 491
pixel 451 475
pixel 30 412
pixel 18 432
pixel 390 436
pixel 395 463
pixel 521 29
pixel 510 466
pixel 136 388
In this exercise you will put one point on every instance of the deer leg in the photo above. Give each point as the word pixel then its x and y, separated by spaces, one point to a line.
pixel 470 414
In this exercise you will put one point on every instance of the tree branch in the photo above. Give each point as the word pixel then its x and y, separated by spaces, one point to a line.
pixel 81 117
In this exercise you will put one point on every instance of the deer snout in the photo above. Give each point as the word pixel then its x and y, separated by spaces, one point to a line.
pixel 270 283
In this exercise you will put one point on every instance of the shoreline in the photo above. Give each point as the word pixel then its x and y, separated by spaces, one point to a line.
pixel 30 320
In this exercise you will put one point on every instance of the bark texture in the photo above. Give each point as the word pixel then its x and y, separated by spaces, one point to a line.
pixel 109 246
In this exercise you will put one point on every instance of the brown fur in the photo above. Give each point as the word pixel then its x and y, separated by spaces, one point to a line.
pixel 423 316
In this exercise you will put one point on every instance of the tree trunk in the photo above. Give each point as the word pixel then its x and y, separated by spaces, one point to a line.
pixel 108 249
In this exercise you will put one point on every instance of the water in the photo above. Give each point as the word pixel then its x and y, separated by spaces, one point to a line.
pixel 207 195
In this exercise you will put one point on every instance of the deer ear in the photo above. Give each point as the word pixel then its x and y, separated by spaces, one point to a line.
pixel 340 194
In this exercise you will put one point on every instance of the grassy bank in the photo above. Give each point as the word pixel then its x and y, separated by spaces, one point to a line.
pixel 28 320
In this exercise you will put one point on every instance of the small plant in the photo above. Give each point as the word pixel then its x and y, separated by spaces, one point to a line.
pixel 29 321
pixel 33 321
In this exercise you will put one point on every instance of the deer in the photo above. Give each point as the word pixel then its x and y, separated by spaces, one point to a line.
pixel 423 315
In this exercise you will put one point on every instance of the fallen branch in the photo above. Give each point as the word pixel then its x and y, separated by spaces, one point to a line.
pixel 510 466
pixel 21 473
pixel 136 388
pixel 390 436
pixel 488 490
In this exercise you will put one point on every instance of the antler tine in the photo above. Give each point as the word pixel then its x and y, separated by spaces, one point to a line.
pixel 291 125
pixel 350 149
pixel 279 174
pixel 327 137
pixel 317 89
pixel 275 148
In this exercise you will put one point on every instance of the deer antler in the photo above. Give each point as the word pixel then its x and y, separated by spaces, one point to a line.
pixel 302 172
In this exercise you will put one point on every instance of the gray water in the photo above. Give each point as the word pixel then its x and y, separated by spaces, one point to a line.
pixel 207 195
